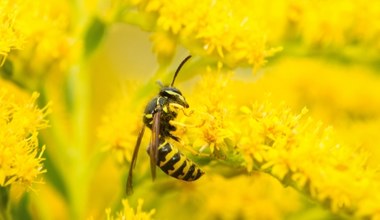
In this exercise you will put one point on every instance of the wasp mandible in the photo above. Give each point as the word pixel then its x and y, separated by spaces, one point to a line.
pixel 157 116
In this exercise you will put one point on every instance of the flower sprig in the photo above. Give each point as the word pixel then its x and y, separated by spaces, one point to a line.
pixel 315 28
pixel 19 33
pixel 20 121
pixel 224 31
pixel 21 161
pixel 306 156
pixel 11 38
pixel 298 151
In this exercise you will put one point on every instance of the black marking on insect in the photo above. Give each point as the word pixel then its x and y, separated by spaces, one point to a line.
pixel 157 116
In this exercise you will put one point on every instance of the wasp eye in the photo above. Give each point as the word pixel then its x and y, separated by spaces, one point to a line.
pixel 174 95
pixel 170 92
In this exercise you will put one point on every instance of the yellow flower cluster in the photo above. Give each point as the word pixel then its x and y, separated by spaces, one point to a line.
pixel 238 33
pixel 214 118
pixel 336 23
pixel 121 125
pixel 307 156
pixel 226 31
pixel 10 37
pixel 129 213
pixel 343 96
pixel 347 98
pixel 20 120
pixel 244 197
pixel 49 22
pixel 35 40
pixel 299 152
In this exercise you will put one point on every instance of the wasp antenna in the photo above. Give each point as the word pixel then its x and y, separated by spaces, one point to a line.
pixel 179 68
pixel 159 83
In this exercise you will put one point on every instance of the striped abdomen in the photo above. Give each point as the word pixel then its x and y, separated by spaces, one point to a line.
pixel 176 164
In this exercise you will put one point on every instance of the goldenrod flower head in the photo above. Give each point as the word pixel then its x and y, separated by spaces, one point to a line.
pixel 48 34
pixel 129 213
pixel 210 125
pixel 346 23
pixel 120 126
pixel 246 197
pixel 268 137
pixel 305 154
pixel 353 107
pixel 39 29
pixel 11 36
pixel 239 32
pixel 20 120
pixel 227 31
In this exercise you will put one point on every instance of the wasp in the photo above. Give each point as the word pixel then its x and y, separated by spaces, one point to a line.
pixel 157 116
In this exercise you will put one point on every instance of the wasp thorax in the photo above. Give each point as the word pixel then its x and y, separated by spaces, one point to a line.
pixel 174 96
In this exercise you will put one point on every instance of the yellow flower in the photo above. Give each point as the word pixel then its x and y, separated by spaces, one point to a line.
pixel 129 213
pixel 40 32
pixel 225 31
pixel 24 23
pixel 210 125
pixel 121 125
pixel 245 197
pixel 299 152
pixel 20 120
pixel 345 97
pixel 11 36
pixel 306 156
pixel 345 24
pixel 238 33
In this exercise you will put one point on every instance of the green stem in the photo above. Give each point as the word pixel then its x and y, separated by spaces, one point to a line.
pixel 5 206
pixel 77 179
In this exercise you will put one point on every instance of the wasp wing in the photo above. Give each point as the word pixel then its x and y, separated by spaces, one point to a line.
pixel 129 188
pixel 155 141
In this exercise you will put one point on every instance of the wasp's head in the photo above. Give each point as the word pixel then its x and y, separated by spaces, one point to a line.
pixel 174 96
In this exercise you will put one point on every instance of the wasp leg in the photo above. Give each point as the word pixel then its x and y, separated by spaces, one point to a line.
pixel 129 187
pixel 173 123
pixel 189 113
pixel 175 138
pixel 177 123
pixel 193 151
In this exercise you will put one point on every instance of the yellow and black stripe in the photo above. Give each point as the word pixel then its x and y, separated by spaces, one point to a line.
pixel 176 164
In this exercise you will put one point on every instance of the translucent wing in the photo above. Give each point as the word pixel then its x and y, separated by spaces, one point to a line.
pixel 155 141
pixel 129 188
